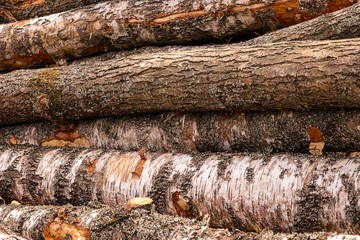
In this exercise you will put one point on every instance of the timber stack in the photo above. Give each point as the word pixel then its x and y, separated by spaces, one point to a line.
pixel 180 119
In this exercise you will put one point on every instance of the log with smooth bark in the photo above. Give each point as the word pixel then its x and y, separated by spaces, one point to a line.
pixel 273 131
pixel 281 192
pixel 128 24
pixel 25 9
pixel 341 24
pixel 102 223
pixel 287 75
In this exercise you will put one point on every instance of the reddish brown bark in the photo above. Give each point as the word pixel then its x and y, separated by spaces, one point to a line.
pixel 128 24
pixel 338 25
pixel 24 9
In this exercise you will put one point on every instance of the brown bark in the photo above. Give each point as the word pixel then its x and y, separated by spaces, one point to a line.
pixel 338 25
pixel 280 192
pixel 274 131
pixel 128 24
pixel 25 9
pixel 287 75
pixel 103 223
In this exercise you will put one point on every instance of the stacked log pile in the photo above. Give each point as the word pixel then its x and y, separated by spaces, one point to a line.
pixel 180 119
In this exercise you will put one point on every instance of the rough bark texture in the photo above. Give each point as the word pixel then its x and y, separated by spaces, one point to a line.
pixel 25 9
pixel 128 24
pixel 342 24
pixel 287 75
pixel 275 131
pixel 7 234
pixel 282 192
pixel 106 223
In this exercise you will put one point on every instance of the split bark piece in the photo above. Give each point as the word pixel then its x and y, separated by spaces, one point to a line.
pixel 25 9
pixel 316 141
pixel 138 202
pixel 103 223
pixel 338 25
pixel 128 24
pixel 287 75
pixel 252 192
pixel 273 131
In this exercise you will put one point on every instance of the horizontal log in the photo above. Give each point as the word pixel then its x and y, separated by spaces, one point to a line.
pixel 25 9
pixel 6 234
pixel 287 75
pixel 35 222
pixel 338 25
pixel 111 223
pixel 128 24
pixel 280 192
pixel 274 131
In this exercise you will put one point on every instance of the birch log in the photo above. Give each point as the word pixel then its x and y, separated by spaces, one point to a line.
pixel 128 24
pixel 274 131
pixel 7 234
pixel 281 192
pixel 288 75
pixel 102 223
pixel 106 223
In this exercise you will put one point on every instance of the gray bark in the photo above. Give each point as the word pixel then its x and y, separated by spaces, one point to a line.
pixel 342 24
pixel 128 24
pixel 106 223
pixel 272 131
pixel 7 234
pixel 140 224
pixel 252 192
pixel 287 75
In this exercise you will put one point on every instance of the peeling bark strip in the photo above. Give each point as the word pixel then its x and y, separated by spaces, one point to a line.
pixel 106 223
pixel 282 192
pixel 276 131
pixel 287 75
pixel 25 9
pixel 342 24
pixel 129 24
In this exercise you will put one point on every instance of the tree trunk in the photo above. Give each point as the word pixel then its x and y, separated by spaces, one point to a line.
pixel 280 192
pixel 338 25
pixel 25 9
pixel 6 234
pixel 287 75
pixel 102 223
pixel 107 223
pixel 275 131
pixel 128 24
